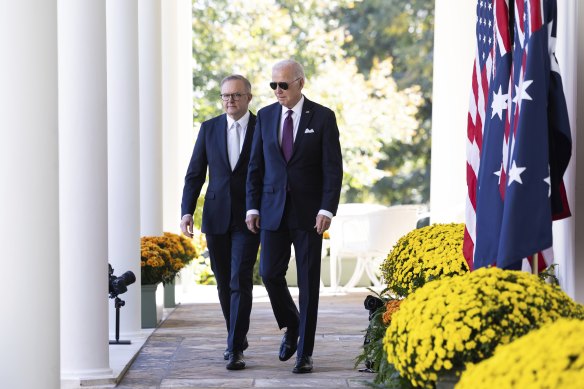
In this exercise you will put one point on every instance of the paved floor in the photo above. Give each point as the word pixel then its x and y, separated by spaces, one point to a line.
pixel 186 351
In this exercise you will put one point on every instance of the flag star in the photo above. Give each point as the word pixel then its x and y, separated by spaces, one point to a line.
pixel 521 91
pixel 499 103
pixel 548 181
pixel 515 173
pixel 498 173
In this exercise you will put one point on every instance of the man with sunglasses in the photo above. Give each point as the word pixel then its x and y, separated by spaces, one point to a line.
pixel 223 145
pixel 293 188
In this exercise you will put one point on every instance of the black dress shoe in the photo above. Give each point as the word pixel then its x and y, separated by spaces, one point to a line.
pixel 289 345
pixel 303 365
pixel 236 361
pixel 226 352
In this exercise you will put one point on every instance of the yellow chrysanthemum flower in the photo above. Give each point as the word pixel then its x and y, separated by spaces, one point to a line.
pixel 551 357
pixel 453 322
pixel 422 255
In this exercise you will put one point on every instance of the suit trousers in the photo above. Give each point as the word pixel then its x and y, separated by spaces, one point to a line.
pixel 233 256
pixel 274 261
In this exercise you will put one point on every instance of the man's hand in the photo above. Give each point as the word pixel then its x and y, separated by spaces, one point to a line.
pixel 186 225
pixel 322 223
pixel 253 223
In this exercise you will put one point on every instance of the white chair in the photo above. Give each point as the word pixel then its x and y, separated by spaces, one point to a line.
pixel 367 232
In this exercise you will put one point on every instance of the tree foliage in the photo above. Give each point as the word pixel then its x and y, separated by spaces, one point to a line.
pixel 403 31
pixel 378 113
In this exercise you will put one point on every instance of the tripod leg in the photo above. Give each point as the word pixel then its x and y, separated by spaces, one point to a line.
pixel 118 303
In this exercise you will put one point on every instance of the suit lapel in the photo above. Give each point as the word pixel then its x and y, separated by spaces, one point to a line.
pixel 221 131
pixel 246 148
pixel 305 117
pixel 274 126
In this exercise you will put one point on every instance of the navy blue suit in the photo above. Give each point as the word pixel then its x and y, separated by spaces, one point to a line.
pixel 289 197
pixel 232 248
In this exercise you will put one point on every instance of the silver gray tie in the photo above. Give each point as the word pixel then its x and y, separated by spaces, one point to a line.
pixel 233 144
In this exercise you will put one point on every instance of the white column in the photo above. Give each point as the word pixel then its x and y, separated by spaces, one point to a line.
pixel 578 163
pixel 170 88
pixel 454 48
pixel 29 203
pixel 186 135
pixel 124 158
pixel 177 113
pixel 150 64
pixel 567 54
pixel 83 190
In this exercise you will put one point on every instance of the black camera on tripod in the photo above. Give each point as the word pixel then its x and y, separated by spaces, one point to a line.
pixel 372 304
pixel 119 285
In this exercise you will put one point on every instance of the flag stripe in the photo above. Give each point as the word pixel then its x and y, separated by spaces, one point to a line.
pixel 509 154
pixel 502 20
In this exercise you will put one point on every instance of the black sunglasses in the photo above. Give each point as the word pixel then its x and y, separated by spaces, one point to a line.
pixel 282 85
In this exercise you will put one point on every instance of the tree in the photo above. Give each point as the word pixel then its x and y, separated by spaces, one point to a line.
pixel 372 111
pixel 403 31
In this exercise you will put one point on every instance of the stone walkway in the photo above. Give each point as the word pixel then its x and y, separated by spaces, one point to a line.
pixel 186 351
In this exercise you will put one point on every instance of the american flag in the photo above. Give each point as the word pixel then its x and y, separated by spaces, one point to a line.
pixel 519 141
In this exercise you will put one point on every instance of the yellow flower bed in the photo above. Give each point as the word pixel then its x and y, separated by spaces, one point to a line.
pixel 551 357
pixel 451 322
pixel 422 255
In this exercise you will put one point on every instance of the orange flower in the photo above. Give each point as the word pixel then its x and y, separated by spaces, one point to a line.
pixel 390 308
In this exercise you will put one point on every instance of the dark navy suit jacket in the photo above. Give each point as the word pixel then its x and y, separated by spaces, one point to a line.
pixel 225 196
pixel 312 177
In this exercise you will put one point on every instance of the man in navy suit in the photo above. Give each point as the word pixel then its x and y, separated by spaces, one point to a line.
pixel 293 188
pixel 223 145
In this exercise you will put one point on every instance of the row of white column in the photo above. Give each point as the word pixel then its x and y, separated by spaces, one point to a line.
pixel 81 171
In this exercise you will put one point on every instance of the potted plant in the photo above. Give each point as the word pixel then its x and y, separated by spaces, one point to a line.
pixel 161 259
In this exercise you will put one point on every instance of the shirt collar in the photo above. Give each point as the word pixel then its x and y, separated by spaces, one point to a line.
pixel 297 108
pixel 243 121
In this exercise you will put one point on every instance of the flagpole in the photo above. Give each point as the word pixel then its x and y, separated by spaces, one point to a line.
pixel 534 262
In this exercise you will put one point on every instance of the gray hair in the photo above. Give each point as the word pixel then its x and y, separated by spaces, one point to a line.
pixel 296 67
pixel 240 78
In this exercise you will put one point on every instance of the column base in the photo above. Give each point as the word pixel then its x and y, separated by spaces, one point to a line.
pixel 91 377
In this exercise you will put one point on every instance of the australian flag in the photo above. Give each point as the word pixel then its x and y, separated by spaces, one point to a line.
pixel 526 141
